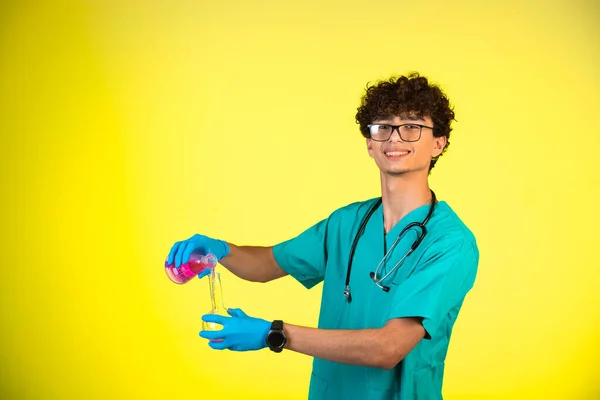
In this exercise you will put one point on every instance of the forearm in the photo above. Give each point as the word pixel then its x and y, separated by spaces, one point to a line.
pixel 379 348
pixel 252 263
pixel 358 347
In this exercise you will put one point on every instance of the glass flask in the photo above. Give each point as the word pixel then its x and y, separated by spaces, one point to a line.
pixel 196 264
pixel 216 299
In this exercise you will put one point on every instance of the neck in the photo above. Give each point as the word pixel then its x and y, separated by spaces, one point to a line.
pixel 400 195
pixel 216 291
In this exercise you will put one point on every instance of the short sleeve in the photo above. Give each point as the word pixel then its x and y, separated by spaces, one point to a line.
pixel 305 256
pixel 436 289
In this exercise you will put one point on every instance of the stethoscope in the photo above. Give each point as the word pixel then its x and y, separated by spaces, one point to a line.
pixel 361 229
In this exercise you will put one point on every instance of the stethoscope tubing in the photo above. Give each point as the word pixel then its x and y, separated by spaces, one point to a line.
pixel 347 291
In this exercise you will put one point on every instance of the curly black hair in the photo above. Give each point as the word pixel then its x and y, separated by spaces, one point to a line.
pixel 407 95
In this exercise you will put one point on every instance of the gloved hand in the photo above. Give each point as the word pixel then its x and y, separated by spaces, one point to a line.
pixel 181 251
pixel 240 332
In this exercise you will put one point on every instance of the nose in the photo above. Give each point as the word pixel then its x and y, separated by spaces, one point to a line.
pixel 397 137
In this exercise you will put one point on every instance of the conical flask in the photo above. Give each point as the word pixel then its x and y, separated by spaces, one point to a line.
pixel 216 299
pixel 197 263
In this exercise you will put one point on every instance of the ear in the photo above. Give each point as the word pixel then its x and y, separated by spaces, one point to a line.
pixel 438 146
pixel 370 147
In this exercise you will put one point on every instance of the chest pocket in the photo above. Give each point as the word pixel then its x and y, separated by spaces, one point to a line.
pixel 410 262
pixel 398 264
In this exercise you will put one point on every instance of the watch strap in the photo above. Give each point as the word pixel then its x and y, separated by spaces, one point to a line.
pixel 277 325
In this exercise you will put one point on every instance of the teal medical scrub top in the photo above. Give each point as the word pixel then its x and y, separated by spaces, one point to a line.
pixel 431 284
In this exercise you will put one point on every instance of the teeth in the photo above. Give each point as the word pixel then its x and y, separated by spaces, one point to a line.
pixel 396 153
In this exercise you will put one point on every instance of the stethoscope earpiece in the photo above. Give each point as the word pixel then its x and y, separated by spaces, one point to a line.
pixel 384 288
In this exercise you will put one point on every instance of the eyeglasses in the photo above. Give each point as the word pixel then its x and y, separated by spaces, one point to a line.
pixel 407 132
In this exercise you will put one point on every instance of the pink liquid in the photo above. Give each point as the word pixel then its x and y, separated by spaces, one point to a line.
pixel 191 269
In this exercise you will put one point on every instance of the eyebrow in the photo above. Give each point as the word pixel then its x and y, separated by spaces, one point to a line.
pixel 410 117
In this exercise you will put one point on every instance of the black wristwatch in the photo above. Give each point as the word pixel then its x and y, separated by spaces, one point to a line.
pixel 276 337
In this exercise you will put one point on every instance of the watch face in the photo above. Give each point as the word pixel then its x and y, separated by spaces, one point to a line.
pixel 276 339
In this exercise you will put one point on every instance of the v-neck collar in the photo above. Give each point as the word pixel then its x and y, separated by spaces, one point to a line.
pixel 416 215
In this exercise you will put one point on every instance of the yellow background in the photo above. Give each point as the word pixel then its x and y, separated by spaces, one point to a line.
pixel 128 125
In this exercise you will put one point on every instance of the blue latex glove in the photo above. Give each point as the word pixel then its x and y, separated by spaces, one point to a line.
pixel 181 251
pixel 240 332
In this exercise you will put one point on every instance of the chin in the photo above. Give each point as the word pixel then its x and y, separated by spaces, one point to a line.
pixel 397 172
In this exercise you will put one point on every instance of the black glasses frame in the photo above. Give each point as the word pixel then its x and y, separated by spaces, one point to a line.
pixel 397 128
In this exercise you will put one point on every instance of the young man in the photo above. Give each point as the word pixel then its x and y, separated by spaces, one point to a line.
pixel 395 269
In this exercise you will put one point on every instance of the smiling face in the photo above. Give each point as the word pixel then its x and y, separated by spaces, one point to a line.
pixel 396 156
pixel 410 99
